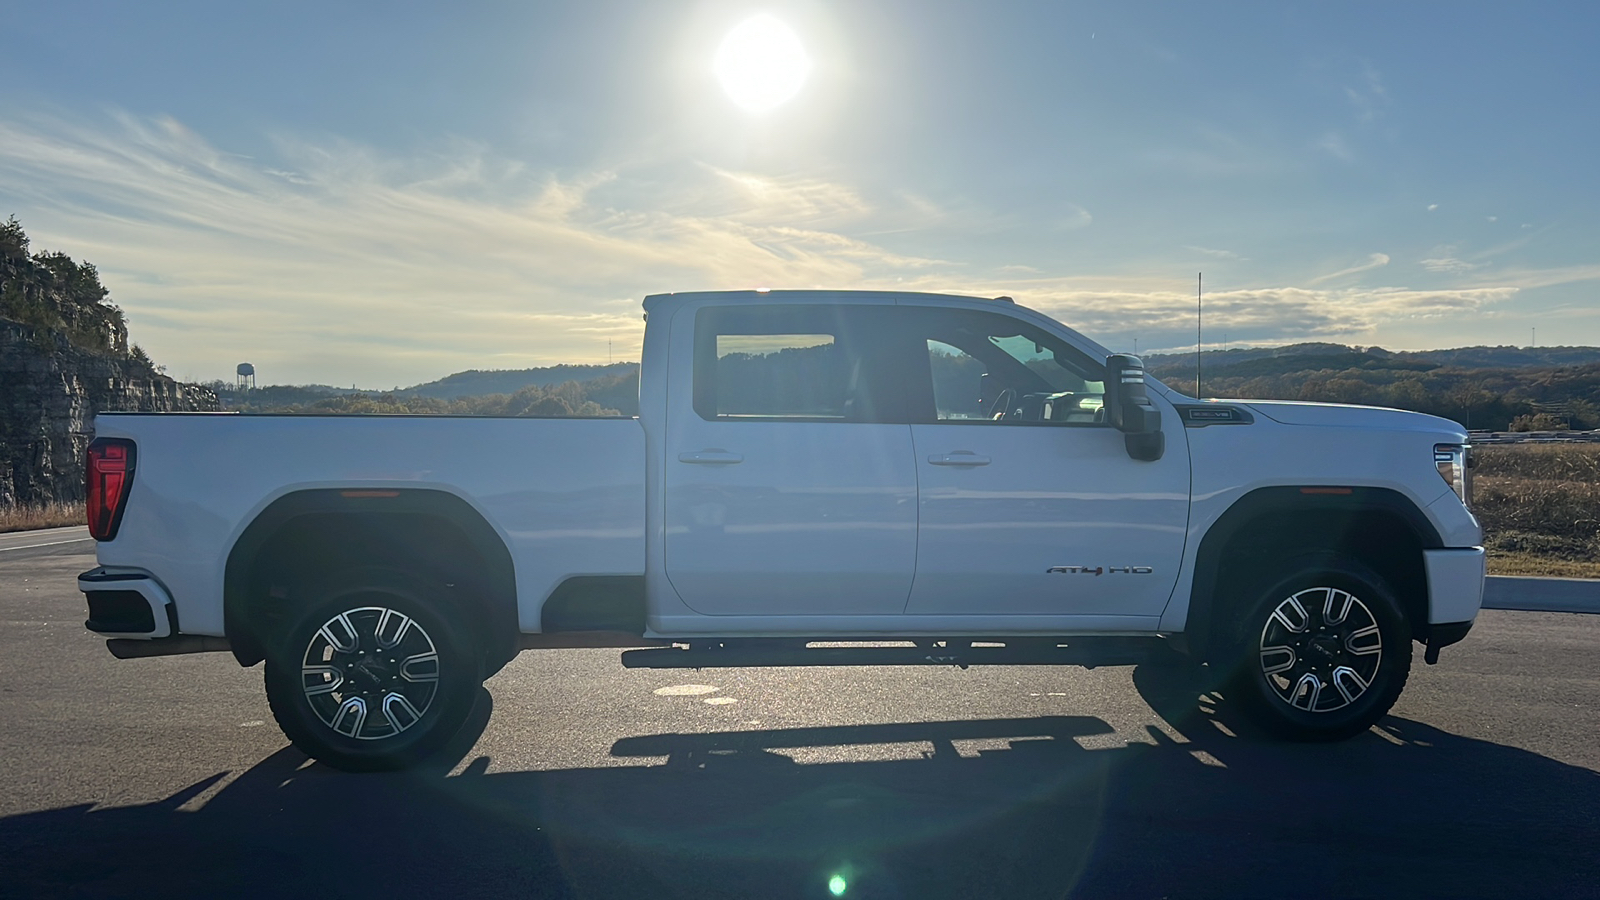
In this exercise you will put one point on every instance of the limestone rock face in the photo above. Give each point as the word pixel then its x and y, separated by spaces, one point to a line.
pixel 50 392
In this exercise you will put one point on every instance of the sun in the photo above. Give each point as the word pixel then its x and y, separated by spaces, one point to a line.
pixel 762 64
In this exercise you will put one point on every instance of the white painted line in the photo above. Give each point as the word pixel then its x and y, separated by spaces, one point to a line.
pixel 47 544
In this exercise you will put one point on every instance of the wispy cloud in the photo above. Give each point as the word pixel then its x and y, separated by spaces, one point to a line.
pixel 1218 254
pixel 1334 144
pixel 1375 261
pixel 331 262
pixel 1448 264
pixel 1368 96
pixel 341 265
pixel 1528 278
pixel 1164 318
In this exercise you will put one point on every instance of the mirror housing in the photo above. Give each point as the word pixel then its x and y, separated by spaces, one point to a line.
pixel 1129 410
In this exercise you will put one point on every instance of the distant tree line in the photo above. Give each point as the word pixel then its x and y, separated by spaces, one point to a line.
pixel 1500 399
pixel 614 395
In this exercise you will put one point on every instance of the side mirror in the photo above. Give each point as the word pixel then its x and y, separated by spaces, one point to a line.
pixel 1129 410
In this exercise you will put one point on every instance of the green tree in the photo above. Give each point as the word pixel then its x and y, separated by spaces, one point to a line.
pixel 1538 422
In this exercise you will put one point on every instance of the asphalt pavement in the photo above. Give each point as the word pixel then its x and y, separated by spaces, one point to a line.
pixel 578 778
pixel 46 537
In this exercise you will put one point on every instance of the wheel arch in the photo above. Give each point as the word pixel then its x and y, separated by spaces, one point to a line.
pixel 1380 527
pixel 313 532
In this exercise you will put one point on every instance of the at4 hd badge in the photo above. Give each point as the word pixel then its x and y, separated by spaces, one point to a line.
pixel 1099 570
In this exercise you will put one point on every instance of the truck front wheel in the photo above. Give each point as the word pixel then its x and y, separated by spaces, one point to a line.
pixel 1322 651
pixel 371 674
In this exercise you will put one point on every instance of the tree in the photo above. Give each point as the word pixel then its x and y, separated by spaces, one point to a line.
pixel 13 242
pixel 1538 422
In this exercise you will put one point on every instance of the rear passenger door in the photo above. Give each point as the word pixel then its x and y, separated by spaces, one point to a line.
pixel 790 485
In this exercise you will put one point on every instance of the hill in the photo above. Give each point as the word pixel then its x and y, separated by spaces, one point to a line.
pixel 1303 356
pixel 1493 388
pixel 478 383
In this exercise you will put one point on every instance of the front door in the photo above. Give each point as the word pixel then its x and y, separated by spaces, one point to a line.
pixel 1029 503
pixel 790 488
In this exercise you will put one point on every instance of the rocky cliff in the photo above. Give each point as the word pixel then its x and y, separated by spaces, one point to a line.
pixel 64 356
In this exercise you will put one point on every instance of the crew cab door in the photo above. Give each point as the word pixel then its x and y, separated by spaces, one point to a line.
pixel 789 483
pixel 1029 502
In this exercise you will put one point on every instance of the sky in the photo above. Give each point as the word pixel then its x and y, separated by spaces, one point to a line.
pixel 380 194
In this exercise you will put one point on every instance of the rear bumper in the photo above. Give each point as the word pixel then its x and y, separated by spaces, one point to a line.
pixel 1455 584
pixel 127 603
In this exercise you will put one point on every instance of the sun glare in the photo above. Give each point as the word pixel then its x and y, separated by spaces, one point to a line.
pixel 762 64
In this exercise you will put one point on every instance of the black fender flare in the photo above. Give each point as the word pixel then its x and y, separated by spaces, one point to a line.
pixel 497 577
pixel 1318 500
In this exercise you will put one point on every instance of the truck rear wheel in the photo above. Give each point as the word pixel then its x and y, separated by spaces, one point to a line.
pixel 372 674
pixel 1322 651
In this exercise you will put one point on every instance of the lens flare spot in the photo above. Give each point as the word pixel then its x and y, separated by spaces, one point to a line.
pixel 837 885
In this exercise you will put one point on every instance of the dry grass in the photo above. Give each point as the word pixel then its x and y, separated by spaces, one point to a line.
pixel 1540 508
pixel 48 515
pixel 1503 562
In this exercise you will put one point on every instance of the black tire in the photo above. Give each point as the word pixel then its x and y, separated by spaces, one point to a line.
pixel 1321 651
pixel 372 674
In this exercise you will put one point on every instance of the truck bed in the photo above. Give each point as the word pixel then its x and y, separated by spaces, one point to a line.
pixel 567 495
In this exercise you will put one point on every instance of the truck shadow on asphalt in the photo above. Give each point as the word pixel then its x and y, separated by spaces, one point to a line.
pixel 1053 806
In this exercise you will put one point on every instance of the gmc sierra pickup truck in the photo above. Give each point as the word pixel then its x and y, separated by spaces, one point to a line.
pixel 905 478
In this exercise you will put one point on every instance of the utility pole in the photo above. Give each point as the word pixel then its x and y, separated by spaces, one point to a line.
pixel 1199 282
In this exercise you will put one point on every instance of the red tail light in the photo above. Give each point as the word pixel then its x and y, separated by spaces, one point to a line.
pixel 109 474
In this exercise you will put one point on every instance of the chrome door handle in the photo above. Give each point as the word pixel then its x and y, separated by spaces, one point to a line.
pixel 959 458
pixel 711 458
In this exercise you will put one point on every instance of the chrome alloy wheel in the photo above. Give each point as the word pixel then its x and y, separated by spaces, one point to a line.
pixel 1320 649
pixel 370 673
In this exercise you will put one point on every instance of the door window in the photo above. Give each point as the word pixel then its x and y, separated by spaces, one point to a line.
pixel 812 364
pixel 984 367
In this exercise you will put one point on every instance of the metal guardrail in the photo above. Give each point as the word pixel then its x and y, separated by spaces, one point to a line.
pixel 1534 437
pixel 1571 595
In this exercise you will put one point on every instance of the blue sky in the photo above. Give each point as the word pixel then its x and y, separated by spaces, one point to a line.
pixel 382 194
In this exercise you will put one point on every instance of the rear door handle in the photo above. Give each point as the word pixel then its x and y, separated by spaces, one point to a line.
pixel 713 457
pixel 959 458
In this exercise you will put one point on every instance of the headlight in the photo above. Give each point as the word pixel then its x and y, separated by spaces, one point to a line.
pixel 1455 467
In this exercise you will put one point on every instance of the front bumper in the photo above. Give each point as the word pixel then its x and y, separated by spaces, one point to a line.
pixel 1455 584
pixel 127 604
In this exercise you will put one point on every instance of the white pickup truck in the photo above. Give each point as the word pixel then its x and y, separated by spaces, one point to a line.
pixel 926 479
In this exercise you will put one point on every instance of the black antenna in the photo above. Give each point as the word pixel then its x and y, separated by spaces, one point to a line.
pixel 1199 280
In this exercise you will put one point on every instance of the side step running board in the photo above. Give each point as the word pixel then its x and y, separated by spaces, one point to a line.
pixel 1088 653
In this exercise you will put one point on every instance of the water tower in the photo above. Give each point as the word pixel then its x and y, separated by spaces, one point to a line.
pixel 246 377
